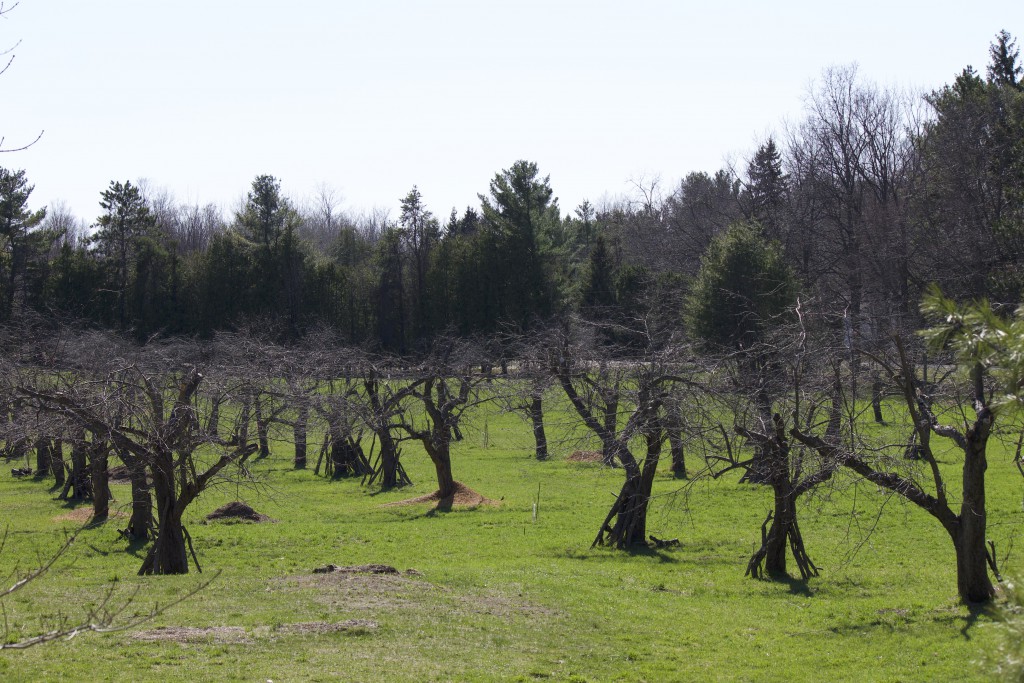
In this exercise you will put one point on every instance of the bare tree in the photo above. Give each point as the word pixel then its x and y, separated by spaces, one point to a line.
pixel 445 387
pixel 928 490
pixel 598 391
pixel 146 410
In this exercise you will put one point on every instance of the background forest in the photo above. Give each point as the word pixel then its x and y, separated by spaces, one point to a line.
pixel 869 198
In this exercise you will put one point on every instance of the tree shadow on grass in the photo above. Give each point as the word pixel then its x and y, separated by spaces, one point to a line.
pixel 647 551
pixel 138 548
pixel 379 490
pixel 796 586
pixel 975 611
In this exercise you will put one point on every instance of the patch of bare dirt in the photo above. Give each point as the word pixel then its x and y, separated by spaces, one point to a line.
pixel 328 627
pixel 360 591
pixel 503 605
pixel 359 569
pixel 238 510
pixel 585 456
pixel 83 514
pixel 238 635
pixel 185 634
pixel 464 497
pixel 119 475
pixel 373 594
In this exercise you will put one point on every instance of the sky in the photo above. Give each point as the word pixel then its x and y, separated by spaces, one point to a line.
pixel 368 99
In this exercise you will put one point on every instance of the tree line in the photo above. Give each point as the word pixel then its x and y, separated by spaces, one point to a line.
pixel 870 197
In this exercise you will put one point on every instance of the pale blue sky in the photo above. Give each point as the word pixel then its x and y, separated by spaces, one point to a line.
pixel 371 98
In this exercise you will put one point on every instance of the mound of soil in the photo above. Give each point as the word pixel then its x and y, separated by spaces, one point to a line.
pixel 464 497
pixel 585 456
pixel 240 511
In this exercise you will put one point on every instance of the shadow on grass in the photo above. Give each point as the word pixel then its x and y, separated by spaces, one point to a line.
pixel 974 612
pixel 379 490
pixel 796 586
pixel 138 548
pixel 647 551
pixel 613 554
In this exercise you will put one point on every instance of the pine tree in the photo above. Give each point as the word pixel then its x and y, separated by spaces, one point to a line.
pixel 520 212
pixel 124 230
pixel 768 187
pixel 743 287
pixel 1003 68
pixel 16 224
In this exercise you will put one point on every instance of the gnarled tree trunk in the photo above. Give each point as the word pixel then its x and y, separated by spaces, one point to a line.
pixel 299 433
pixel 99 451
pixel 972 558
pixel 537 420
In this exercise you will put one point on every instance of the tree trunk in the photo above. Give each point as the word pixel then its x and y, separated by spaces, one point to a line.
pixel 213 421
pixel 140 525
pixel 388 460
pixel 630 508
pixel 611 425
pixel 262 429
pixel 630 514
pixel 654 439
pixel 785 520
pixel 57 462
pixel 98 461
pixel 876 400
pixel 770 558
pixel 439 451
pixel 42 457
pixel 299 432
pixel 537 418
pixel 972 578
pixel 675 445
pixel 346 456
pixel 168 554
pixel 80 487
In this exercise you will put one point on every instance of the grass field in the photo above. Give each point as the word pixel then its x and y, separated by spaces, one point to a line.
pixel 500 595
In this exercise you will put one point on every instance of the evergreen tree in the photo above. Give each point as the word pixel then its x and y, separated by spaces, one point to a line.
pixel 16 225
pixel 973 162
pixel 1003 68
pixel 420 233
pixel 520 212
pixel 271 224
pixel 742 287
pixel 124 230
pixel 599 292
pixel 262 219
pixel 768 187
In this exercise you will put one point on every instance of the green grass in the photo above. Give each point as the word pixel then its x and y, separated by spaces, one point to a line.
pixel 504 597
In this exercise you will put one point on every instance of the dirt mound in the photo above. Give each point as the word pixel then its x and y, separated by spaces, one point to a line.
pixel 463 497
pixel 585 456
pixel 240 511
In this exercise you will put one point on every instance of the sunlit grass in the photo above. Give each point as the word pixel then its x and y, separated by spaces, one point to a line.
pixel 504 596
